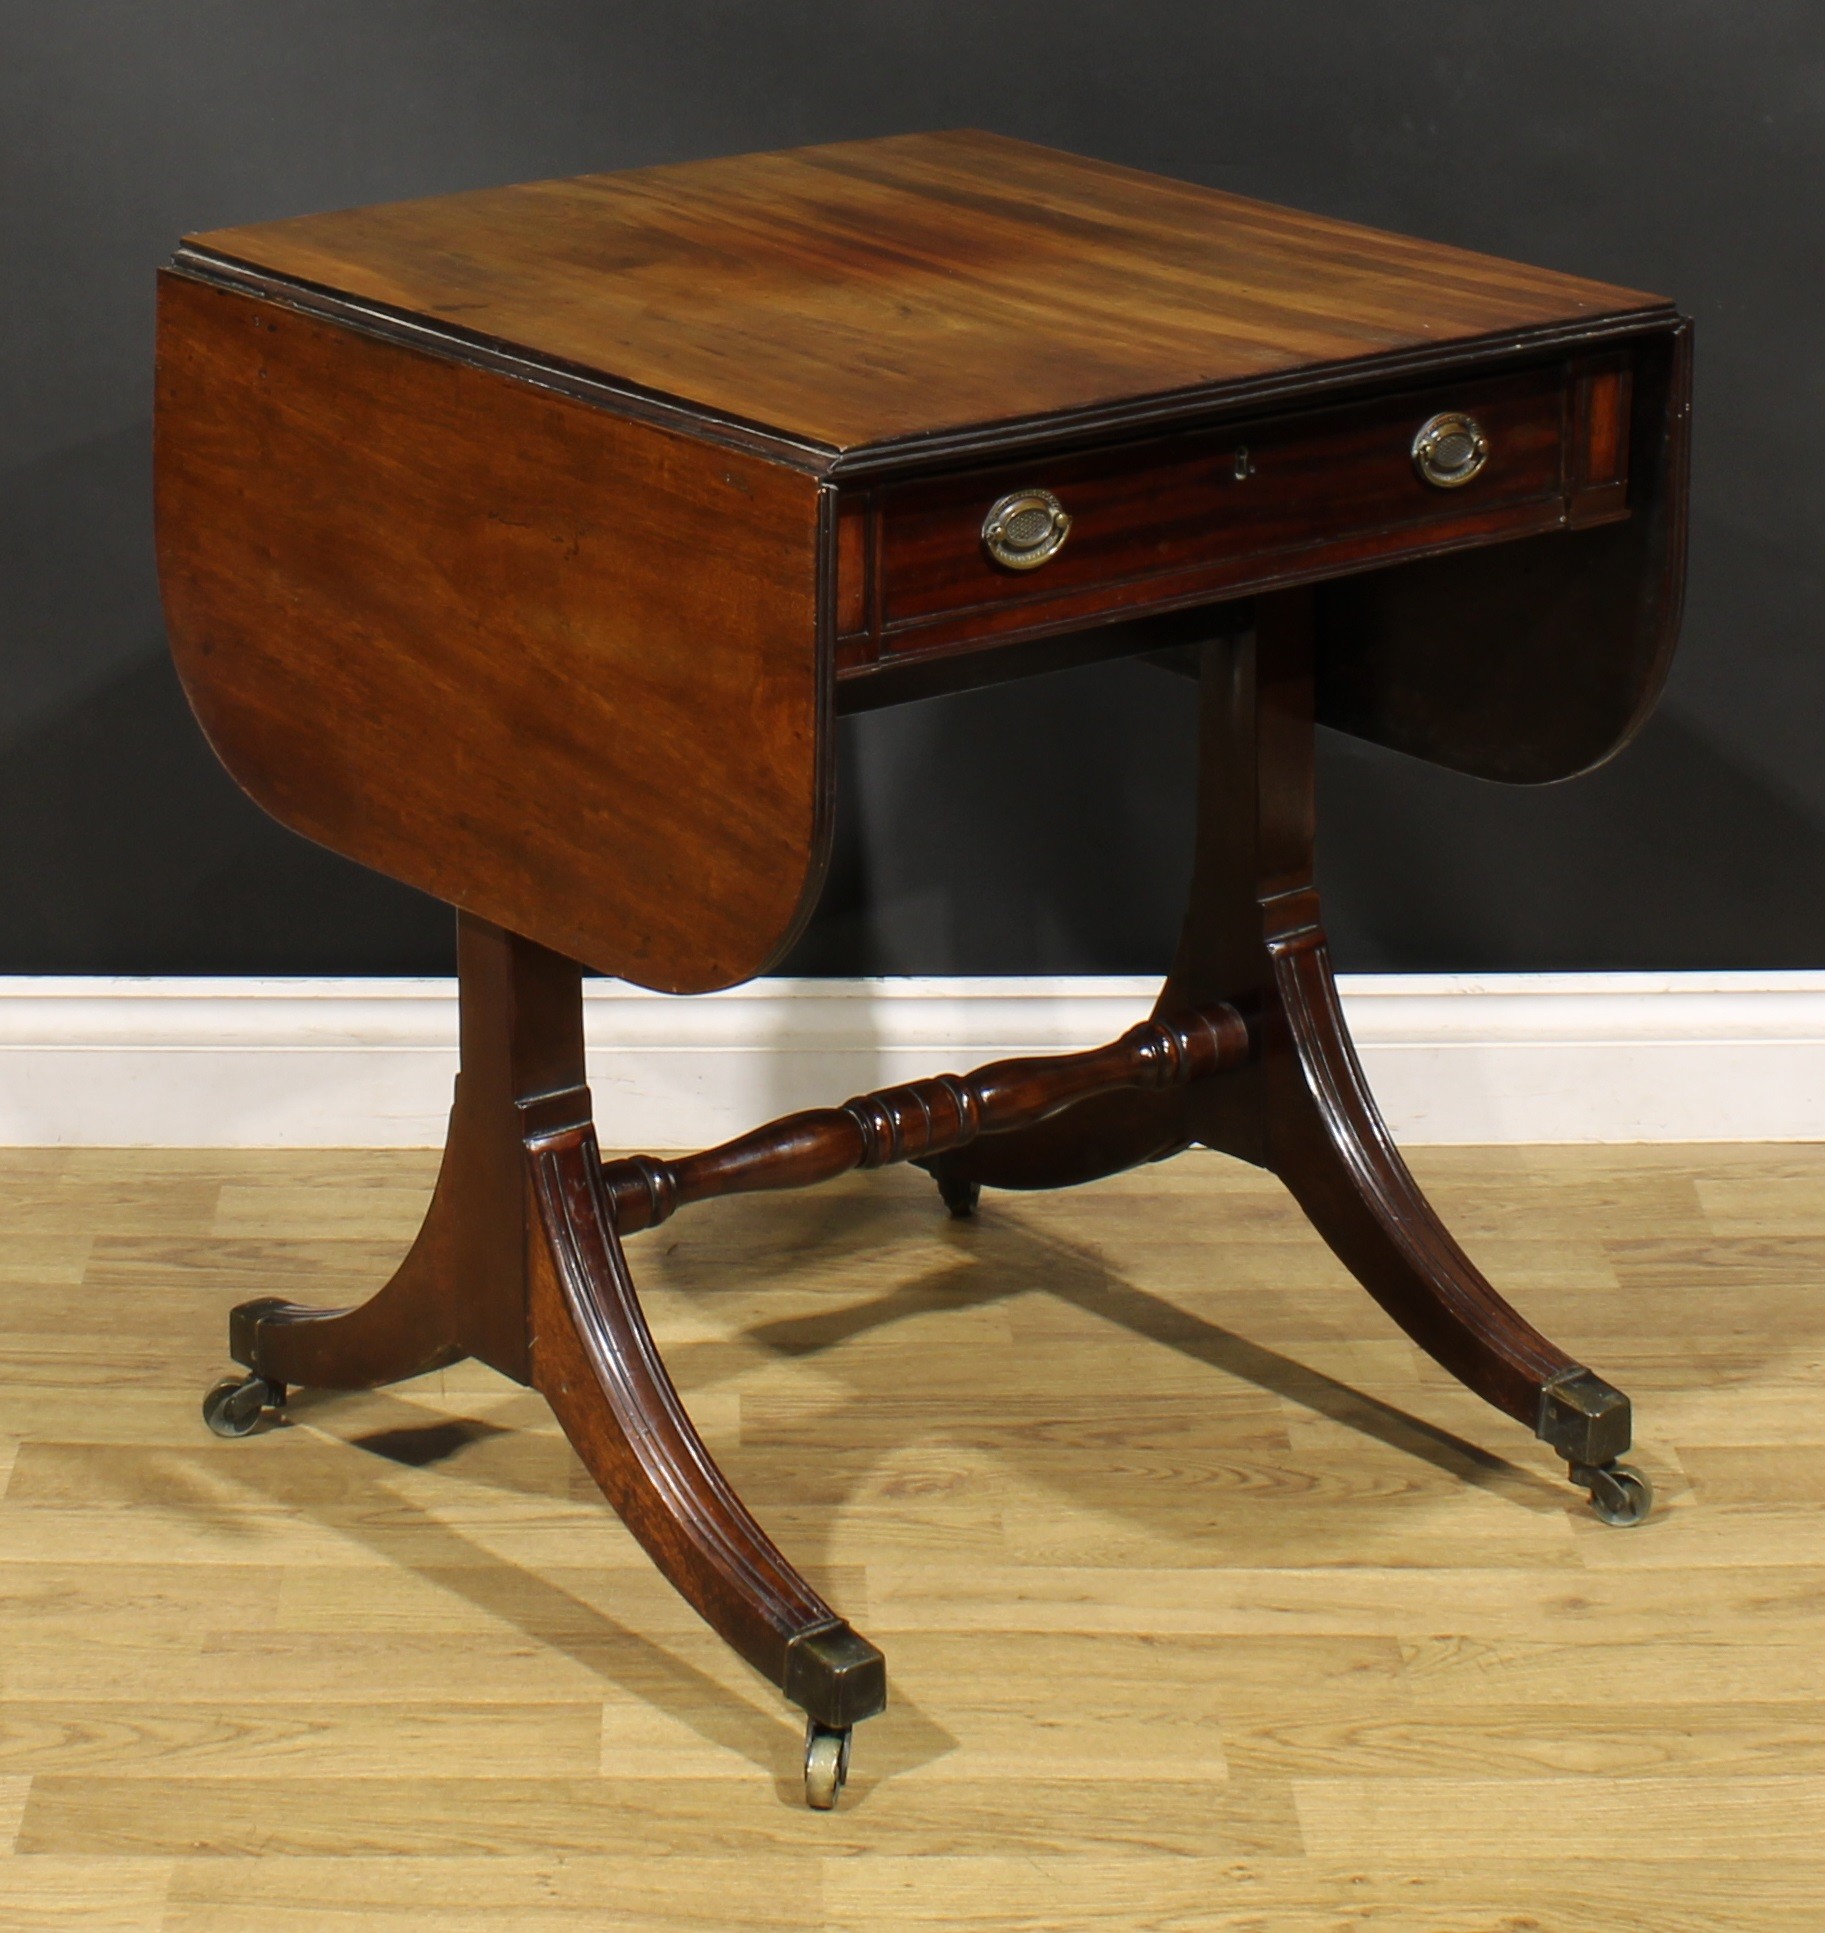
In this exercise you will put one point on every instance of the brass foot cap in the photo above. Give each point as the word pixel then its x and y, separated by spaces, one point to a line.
pixel 244 1329
pixel 1583 1418
pixel 835 1676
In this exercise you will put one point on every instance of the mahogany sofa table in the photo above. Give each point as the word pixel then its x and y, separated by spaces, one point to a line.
pixel 524 545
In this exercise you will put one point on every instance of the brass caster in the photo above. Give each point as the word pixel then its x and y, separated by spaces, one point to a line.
pixel 826 1764
pixel 1620 1494
pixel 960 1196
pixel 235 1406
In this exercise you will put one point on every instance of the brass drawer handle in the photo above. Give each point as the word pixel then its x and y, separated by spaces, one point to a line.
pixel 1449 449
pixel 1024 528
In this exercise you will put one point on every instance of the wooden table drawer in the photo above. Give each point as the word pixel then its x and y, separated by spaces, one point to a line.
pixel 1225 509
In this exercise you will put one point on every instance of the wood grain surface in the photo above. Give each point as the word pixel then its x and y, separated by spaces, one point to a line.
pixel 1211 1602
pixel 876 293
pixel 504 548
pixel 1172 504
pixel 554 666
pixel 1533 661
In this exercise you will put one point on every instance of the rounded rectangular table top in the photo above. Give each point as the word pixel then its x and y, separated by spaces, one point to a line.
pixel 871 293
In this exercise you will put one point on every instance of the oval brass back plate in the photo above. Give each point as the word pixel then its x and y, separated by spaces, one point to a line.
pixel 1449 449
pixel 1024 528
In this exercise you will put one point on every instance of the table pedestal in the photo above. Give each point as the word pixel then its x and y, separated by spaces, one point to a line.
pixel 520 1262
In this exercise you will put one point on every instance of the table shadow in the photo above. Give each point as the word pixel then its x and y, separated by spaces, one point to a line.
pixel 990 1260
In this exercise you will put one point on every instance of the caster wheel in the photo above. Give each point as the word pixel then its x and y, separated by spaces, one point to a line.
pixel 960 1197
pixel 234 1407
pixel 826 1764
pixel 1620 1495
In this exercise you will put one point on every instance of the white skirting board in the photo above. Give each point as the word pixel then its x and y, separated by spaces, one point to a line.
pixel 367 1063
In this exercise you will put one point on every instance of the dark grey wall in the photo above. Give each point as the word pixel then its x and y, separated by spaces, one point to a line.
pixel 1676 145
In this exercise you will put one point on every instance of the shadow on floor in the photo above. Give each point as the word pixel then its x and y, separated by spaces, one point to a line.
pixel 993 1259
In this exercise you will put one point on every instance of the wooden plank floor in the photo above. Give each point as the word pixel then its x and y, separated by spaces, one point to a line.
pixel 1208 1603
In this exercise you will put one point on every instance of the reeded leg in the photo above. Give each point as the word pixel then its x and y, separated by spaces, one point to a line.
pixel 401 1331
pixel 519 1264
pixel 1308 1113
pixel 1302 1108
pixel 1329 1144
pixel 959 1195
pixel 411 1325
pixel 594 1360
pixel 460 1291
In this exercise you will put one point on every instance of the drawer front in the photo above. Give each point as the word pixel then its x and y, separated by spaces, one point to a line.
pixel 1205 512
